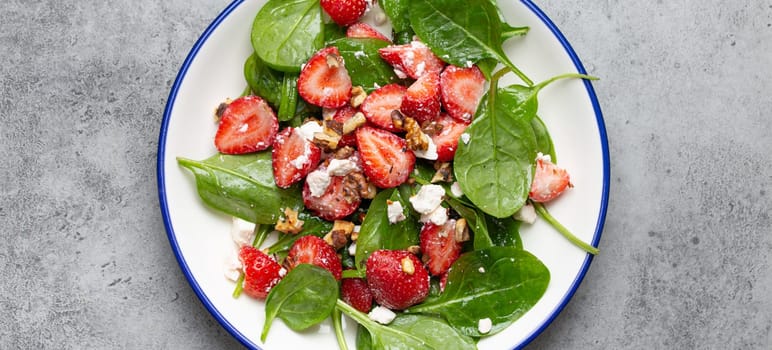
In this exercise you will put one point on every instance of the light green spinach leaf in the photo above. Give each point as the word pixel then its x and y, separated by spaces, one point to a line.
pixel 286 33
pixel 364 65
pixel 378 233
pixel 242 186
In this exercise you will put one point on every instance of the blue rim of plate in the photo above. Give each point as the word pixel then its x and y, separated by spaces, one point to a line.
pixel 216 313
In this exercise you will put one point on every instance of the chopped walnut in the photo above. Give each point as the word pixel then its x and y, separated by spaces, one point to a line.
pixel 338 236
pixel 334 61
pixel 444 173
pixel 397 119
pixel 431 128
pixel 358 96
pixel 461 232
pixel 343 153
pixel 289 223
pixel 221 109
pixel 358 184
pixel 357 120
pixel 414 249
pixel 416 139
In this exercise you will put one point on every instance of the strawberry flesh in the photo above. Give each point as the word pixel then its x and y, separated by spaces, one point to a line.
pixel 411 60
pixel 261 272
pixel 385 158
pixel 324 80
pixel 549 181
pixel 342 115
pixel 447 138
pixel 293 157
pixel 422 98
pixel 439 246
pixel 248 124
pixel 335 203
pixel 392 286
pixel 355 292
pixel 461 91
pixel 363 30
pixel 314 250
pixel 379 105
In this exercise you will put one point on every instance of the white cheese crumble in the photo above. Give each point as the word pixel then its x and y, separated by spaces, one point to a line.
pixel 465 138
pixel 233 267
pixel 427 199
pixel 395 212
pixel 455 190
pixel 242 232
pixel 341 167
pixel 318 181
pixel 485 325
pixel 352 249
pixel 438 216
pixel 431 151
pixel 308 130
pixel 469 64
pixel 282 272
pixel 381 315
pixel 543 156
pixel 526 214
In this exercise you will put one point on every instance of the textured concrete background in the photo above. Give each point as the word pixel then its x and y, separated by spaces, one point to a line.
pixel 686 259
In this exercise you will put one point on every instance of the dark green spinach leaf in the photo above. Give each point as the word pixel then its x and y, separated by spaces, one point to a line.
pixel 504 232
pixel 499 283
pixel 543 139
pixel 262 80
pixel 242 186
pixel 364 65
pixel 304 297
pixel 286 33
pixel 378 233
pixel 475 219
pixel 289 97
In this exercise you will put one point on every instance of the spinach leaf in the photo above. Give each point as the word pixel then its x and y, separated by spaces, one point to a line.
pixel 458 35
pixel 543 139
pixel 286 33
pixel 304 297
pixel 499 283
pixel 504 232
pixel 332 31
pixel 364 341
pixel 242 186
pixel 378 233
pixel 409 332
pixel 289 97
pixel 262 80
pixel 475 218
pixel 508 31
pixel 397 11
pixel 495 168
pixel 364 65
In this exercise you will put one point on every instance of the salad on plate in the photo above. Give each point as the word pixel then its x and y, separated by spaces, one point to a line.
pixel 375 168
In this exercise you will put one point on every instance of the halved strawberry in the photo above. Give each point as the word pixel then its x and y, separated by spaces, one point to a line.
pixel 385 158
pixel 397 278
pixel 293 157
pixel 379 105
pixel 342 115
pixel 344 12
pixel 411 60
pixel 363 30
pixel 324 80
pixel 355 292
pixel 439 246
pixel 314 250
pixel 422 99
pixel 247 125
pixel 461 90
pixel 549 181
pixel 335 203
pixel 261 272
pixel 447 137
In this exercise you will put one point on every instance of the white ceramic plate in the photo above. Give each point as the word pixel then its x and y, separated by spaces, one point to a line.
pixel 200 236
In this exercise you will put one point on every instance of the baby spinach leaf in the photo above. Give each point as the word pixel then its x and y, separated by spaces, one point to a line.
pixel 409 332
pixel 495 168
pixel 264 81
pixel 289 97
pixel 543 140
pixel 286 33
pixel 458 35
pixel 304 297
pixel 364 341
pixel 475 218
pixel 332 31
pixel 242 186
pixel 364 65
pixel 508 31
pixel 499 283
pixel 378 233
pixel 397 11
pixel 504 232
pixel 312 225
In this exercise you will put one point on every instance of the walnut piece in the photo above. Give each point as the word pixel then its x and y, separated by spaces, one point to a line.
pixel 358 95
pixel 289 223
pixel 461 232
pixel 338 236
pixel 444 173
pixel 416 139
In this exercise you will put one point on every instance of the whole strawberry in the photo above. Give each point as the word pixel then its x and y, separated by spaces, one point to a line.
pixel 397 278
pixel 344 12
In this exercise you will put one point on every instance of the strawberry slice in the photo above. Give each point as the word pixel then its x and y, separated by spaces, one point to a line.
pixel 411 60
pixel 422 99
pixel 261 272
pixel 342 115
pixel 385 158
pixel 439 246
pixel 324 80
pixel 379 105
pixel 397 278
pixel 247 125
pixel 549 181
pixel 363 30
pixel 335 203
pixel 314 250
pixel 355 292
pixel 293 157
pixel 447 137
pixel 344 12
pixel 461 90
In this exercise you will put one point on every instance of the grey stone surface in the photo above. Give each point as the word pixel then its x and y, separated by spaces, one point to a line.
pixel 686 253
